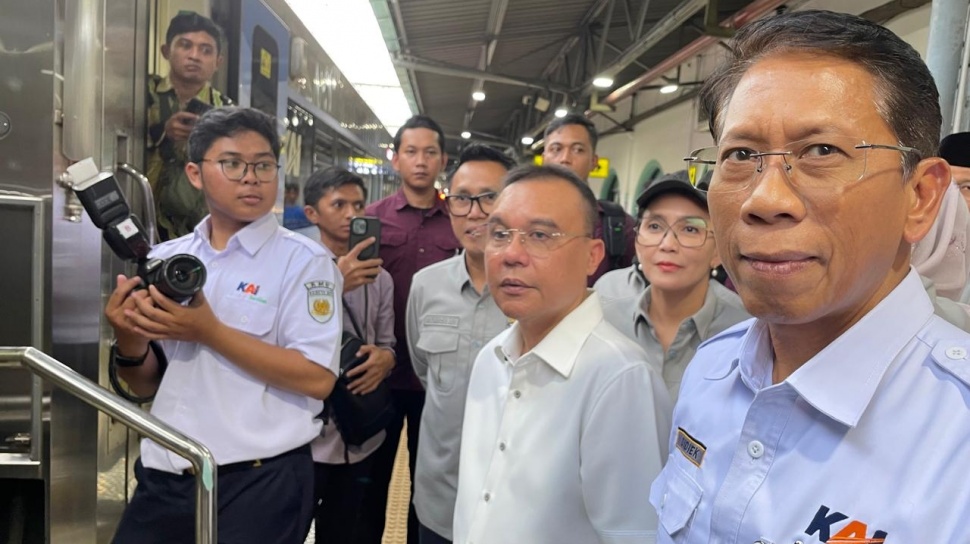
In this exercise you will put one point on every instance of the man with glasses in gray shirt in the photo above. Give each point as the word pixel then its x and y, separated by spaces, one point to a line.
pixel 450 316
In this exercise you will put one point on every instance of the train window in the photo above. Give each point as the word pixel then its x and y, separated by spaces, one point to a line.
pixel 266 65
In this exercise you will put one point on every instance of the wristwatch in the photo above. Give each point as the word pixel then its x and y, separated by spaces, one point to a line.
pixel 126 362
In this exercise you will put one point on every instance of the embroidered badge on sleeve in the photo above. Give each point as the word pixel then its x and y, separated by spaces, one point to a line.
pixel 320 301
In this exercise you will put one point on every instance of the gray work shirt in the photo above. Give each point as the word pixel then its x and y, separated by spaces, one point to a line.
pixel 448 322
pixel 626 298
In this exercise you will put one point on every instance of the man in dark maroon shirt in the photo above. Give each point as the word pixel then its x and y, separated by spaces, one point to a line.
pixel 415 232
pixel 570 141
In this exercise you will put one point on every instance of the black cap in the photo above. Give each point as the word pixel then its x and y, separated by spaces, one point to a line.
pixel 955 148
pixel 676 182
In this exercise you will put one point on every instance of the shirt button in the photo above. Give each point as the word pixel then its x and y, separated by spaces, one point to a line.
pixel 516 393
pixel 501 446
pixel 956 353
pixel 487 496
pixel 420 250
pixel 756 449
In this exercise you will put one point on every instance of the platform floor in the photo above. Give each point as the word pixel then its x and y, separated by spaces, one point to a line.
pixel 395 528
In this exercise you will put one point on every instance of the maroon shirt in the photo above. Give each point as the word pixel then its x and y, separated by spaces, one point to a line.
pixel 606 265
pixel 411 239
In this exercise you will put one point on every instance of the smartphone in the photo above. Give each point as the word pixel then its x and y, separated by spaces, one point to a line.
pixel 362 228
pixel 197 106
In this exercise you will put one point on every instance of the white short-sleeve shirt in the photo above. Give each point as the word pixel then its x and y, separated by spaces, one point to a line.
pixel 560 444
pixel 274 285
pixel 867 440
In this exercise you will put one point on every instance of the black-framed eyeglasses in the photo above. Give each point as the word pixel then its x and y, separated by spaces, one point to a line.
pixel 235 169
pixel 461 205
pixel 688 231
pixel 538 243
pixel 819 162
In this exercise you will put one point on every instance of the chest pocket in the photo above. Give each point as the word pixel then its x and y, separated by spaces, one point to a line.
pixel 441 347
pixel 252 318
pixel 675 496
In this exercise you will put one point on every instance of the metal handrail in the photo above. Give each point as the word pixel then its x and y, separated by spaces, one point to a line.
pixel 133 417
pixel 151 224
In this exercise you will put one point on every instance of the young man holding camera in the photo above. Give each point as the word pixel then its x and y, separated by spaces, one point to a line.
pixel 244 374
pixel 332 198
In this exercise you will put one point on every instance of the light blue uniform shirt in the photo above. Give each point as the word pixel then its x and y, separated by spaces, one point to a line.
pixel 868 439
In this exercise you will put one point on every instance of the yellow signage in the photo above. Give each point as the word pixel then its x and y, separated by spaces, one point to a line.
pixel 601 171
pixel 265 63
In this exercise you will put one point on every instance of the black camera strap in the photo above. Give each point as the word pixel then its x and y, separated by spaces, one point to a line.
pixel 353 319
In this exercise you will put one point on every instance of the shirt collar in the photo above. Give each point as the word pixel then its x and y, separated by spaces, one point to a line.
pixel 702 319
pixel 399 202
pixel 165 85
pixel 251 237
pixel 561 346
pixel 841 380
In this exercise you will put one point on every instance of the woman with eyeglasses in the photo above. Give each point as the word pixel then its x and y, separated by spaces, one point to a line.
pixel 668 301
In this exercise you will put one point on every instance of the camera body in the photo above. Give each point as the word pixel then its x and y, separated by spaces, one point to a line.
pixel 179 277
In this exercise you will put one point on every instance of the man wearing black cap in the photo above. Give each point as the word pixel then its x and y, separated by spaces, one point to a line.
pixel 955 148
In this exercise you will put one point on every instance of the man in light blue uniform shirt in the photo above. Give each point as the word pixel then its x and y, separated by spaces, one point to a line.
pixel 450 316
pixel 840 414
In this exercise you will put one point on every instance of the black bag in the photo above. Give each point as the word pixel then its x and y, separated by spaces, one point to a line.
pixel 358 417
pixel 614 232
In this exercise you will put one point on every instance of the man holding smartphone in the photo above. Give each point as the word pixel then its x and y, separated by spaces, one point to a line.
pixel 175 102
pixel 333 198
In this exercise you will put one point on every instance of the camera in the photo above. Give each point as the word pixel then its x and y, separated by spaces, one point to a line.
pixel 179 277
pixel 358 227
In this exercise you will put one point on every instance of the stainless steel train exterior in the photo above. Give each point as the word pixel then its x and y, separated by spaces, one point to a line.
pixel 72 80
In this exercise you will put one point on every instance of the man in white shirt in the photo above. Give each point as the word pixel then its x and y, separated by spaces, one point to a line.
pixel 244 366
pixel 839 414
pixel 565 423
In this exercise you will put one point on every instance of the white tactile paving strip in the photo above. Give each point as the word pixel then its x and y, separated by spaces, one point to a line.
pixel 395 526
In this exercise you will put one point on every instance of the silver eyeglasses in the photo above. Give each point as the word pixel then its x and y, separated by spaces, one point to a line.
pixel 235 169
pixel 689 231
pixel 819 162
pixel 537 242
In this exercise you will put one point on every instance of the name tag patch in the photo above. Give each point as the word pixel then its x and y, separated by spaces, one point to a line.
pixel 692 448
pixel 443 320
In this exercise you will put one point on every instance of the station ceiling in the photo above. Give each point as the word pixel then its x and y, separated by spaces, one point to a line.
pixel 531 57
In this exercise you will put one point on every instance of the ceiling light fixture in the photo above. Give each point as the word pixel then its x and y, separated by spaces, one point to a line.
pixel 527 140
pixel 561 111
pixel 603 82
pixel 669 88
pixel 466 135
pixel 478 96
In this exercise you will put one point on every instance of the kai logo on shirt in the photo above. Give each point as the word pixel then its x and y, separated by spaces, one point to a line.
pixel 248 288
pixel 320 300
pixel 250 291
pixel 852 530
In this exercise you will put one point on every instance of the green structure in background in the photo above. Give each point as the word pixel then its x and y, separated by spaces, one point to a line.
pixel 650 172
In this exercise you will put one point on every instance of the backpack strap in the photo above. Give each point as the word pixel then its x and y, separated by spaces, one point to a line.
pixel 614 232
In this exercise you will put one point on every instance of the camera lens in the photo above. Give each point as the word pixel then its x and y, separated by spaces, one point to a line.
pixel 181 277
pixel 358 227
